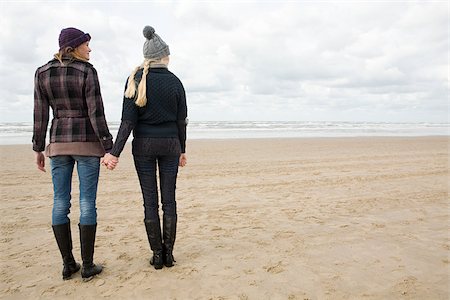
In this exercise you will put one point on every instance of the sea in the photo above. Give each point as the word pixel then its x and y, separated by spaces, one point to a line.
pixel 21 132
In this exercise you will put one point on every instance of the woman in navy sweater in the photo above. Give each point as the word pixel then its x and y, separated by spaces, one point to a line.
pixel 154 108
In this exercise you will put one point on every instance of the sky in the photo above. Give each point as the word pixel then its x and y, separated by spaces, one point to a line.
pixel 360 61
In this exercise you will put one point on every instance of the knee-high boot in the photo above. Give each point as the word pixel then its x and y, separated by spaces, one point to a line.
pixel 63 237
pixel 153 229
pixel 87 238
pixel 169 234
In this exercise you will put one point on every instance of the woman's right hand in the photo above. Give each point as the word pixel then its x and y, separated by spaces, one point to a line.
pixel 183 160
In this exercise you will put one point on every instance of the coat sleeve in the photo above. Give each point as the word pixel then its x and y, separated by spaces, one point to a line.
pixel 95 109
pixel 40 116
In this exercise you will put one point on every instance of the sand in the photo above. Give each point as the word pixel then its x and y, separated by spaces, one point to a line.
pixel 332 218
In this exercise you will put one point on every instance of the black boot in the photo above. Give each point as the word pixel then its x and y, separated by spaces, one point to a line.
pixel 87 238
pixel 64 239
pixel 153 229
pixel 169 233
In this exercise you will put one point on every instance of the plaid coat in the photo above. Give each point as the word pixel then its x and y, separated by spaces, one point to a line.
pixel 72 91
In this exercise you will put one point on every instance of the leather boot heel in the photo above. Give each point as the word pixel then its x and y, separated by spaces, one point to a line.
pixel 70 269
pixel 88 272
pixel 157 260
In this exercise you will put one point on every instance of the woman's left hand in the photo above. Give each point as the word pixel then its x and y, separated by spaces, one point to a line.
pixel 40 161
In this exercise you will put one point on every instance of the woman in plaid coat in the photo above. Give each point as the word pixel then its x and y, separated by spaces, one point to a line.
pixel 78 134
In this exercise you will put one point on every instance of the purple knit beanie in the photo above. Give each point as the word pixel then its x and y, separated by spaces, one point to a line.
pixel 72 37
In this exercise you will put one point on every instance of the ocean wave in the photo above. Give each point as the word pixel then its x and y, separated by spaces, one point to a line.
pixel 21 132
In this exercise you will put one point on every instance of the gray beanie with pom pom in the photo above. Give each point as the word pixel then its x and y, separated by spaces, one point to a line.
pixel 154 46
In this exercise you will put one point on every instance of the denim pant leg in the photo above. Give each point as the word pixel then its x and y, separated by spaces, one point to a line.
pixel 88 168
pixel 62 169
pixel 168 170
pixel 146 171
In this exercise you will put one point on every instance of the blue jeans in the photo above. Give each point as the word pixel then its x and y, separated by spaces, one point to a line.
pixel 88 168
pixel 146 171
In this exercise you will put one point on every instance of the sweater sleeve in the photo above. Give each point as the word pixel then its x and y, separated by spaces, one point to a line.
pixel 95 109
pixel 122 136
pixel 40 116
pixel 182 117
pixel 130 116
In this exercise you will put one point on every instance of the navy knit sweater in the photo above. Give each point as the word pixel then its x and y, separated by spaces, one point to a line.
pixel 163 117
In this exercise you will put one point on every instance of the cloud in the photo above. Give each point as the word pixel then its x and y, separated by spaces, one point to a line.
pixel 256 60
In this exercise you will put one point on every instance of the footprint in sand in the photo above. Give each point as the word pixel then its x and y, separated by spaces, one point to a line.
pixel 275 269
pixel 407 285
pixel 124 256
pixel 284 234
pixel 193 255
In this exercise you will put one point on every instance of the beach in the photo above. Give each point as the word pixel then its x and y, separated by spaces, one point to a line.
pixel 303 218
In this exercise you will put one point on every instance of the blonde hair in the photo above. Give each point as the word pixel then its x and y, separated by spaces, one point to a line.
pixel 68 52
pixel 141 96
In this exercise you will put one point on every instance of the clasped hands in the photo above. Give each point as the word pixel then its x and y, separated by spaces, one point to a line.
pixel 110 161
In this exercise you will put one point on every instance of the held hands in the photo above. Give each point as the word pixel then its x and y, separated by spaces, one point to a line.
pixel 110 161
pixel 183 160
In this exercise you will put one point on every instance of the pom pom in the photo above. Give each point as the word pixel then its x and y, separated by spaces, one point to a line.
pixel 149 32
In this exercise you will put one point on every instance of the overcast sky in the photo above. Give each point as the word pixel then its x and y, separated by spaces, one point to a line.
pixel 253 60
